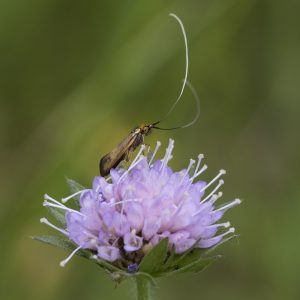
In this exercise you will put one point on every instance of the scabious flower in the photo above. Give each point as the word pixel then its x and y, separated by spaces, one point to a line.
pixel 121 218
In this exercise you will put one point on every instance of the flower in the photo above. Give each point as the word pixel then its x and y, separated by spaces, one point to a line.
pixel 121 218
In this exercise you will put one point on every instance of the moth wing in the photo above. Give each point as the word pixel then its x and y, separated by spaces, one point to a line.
pixel 114 157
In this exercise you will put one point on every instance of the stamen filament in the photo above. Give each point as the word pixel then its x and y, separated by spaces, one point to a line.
pixel 213 198
pixel 221 182
pixel 200 157
pixel 65 261
pixel 66 199
pixel 200 172
pixel 46 203
pixel 229 205
pixel 167 155
pixel 123 201
pixel 188 169
pixel 158 144
pixel 225 225
pixel 136 161
pixel 222 172
pixel 45 221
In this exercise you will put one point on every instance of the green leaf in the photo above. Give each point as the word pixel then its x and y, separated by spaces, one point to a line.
pixel 58 214
pixel 154 260
pixel 61 242
pixel 189 258
pixel 171 258
pixel 69 246
pixel 195 267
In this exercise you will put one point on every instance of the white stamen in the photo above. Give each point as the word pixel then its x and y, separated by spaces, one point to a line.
pixel 66 199
pixel 230 230
pixel 213 198
pixel 188 169
pixel 138 156
pixel 200 172
pixel 222 172
pixel 46 203
pixel 221 182
pixel 229 205
pixel 167 156
pixel 200 157
pixel 123 201
pixel 158 144
pixel 136 161
pixel 224 225
pixel 65 261
pixel 45 221
pixel 47 197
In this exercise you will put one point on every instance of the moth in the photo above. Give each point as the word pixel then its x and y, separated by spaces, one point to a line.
pixel 136 136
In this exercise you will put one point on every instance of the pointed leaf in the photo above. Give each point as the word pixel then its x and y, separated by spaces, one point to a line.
pixel 189 258
pixel 69 246
pixel 195 267
pixel 61 242
pixel 154 260
pixel 170 259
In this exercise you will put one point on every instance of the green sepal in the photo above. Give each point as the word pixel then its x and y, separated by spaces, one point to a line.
pixel 195 267
pixel 154 260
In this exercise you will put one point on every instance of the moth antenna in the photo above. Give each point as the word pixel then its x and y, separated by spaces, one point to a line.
pixel 186 66
pixel 196 98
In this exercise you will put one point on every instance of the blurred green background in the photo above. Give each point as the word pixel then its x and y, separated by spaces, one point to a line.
pixel 77 76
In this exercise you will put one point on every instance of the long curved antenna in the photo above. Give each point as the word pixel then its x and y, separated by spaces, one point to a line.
pixel 196 97
pixel 186 66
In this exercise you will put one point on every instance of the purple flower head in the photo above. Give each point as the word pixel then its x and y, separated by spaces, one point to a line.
pixel 124 216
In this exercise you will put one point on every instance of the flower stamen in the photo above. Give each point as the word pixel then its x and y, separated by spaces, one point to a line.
pixel 123 201
pixel 45 221
pixel 136 161
pixel 66 199
pixel 158 144
pixel 188 169
pixel 221 182
pixel 57 204
pixel 222 172
pixel 168 155
pixel 224 225
pixel 200 157
pixel 49 204
pixel 229 205
pixel 65 261
pixel 215 239
pixel 199 173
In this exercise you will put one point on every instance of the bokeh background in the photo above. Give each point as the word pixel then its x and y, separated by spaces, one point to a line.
pixel 77 76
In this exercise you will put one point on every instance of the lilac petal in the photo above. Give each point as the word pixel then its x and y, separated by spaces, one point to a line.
pixel 184 245
pixel 132 242
pixel 135 215
pixel 96 183
pixel 108 253
pixel 207 243
pixel 151 226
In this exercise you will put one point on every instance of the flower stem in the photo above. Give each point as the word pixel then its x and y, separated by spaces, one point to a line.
pixel 143 288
